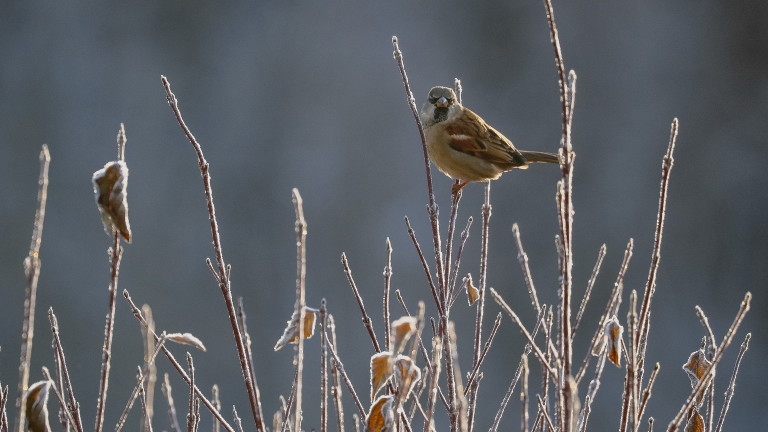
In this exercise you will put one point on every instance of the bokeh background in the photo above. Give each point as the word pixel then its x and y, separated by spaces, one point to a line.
pixel 306 94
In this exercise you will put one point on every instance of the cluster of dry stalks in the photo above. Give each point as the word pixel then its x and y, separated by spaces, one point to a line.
pixel 416 380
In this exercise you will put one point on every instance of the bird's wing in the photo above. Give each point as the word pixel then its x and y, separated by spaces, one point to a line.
pixel 474 137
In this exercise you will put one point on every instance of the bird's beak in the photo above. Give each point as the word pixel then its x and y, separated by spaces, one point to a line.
pixel 442 102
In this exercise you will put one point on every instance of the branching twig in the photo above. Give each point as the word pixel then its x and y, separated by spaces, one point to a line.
pixel 222 274
pixel 366 319
pixel 732 383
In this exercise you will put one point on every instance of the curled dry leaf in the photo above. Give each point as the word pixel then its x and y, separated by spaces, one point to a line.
pixel 472 292
pixel 695 423
pixel 402 330
pixel 110 184
pixel 381 417
pixel 381 371
pixel 291 333
pixel 186 339
pixel 407 377
pixel 614 333
pixel 697 366
pixel 36 409
pixel 611 341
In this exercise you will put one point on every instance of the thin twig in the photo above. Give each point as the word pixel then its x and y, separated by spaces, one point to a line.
pixel 543 410
pixel 457 263
pixel 650 287
pixel 323 369
pixel 72 406
pixel 366 319
pixel 387 287
pixel 167 391
pixel 486 210
pixel 32 273
pixel 518 372
pixel 143 376
pixel 242 323
pixel 301 276
pixel 709 373
pixel 62 401
pixel 435 295
pixel 613 302
pixel 215 399
pixel 340 367
pixel 590 285
pixel 522 257
pixel 732 383
pixel 177 366
pixel 336 382
pixel 539 354
pixel 223 274
pixel 486 347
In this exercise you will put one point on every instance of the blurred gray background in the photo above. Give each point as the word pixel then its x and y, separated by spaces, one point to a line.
pixel 306 94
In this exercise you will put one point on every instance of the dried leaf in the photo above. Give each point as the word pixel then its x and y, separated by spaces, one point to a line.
pixel 402 330
pixel 408 375
pixel 695 423
pixel 381 417
pixel 613 332
pixel 473 294
pixel 290 335
pixel 36 409
pixel 697 366
pixel 186 339
pixel 381 370
pixel 110 184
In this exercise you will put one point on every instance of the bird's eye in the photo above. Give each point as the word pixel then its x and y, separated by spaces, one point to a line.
pixel 432 100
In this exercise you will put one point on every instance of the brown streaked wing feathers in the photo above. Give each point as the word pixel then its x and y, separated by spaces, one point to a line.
pixel 489 144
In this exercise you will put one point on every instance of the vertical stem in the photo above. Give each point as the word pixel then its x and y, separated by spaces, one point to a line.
pixel 32 272
pixel 483 273
pixel 301 274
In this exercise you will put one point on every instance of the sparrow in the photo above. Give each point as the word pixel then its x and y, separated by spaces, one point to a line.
pixel 466 148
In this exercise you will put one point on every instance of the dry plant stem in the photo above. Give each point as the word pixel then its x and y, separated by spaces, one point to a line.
pixel 217 404
pixel 518 372
pixel 423 348
pixel 732 383
pixel 116 253
pixel 630 395
pixel 222 274
pixel 613 301
pixel 435 295
pixel 647 393
pixel 147 423
pixel 366 319
pixel 289 405
pixel 336 386
pixel 455 199
pixel 72 405
pixel 151 371
pixel 585 414
pixel 522 257
pixel 324 369
pixel 301 276
pixel 650 287
pixel 143 376
pixel 177 366
pixel 241 321
pixel 434 373
pixel 457 263
pixel 387 289
pixel 567 97
pixel 432 207
pixel 539 354
pixel 191 408
pixel 237 420
pixel 705 322
pixel 705 379
pixel 486 347
pixel 340 367
pixel 32 272
pixel 59 396
pixel 483 274
pixel 167 391
pixel 524 395
pixel 590 285
pixel 3 414
pixel 543 411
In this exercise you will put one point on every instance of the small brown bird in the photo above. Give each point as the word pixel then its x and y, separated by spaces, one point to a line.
pixel 465 147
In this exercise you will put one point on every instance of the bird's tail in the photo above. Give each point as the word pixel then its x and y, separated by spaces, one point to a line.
pixel 534 156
